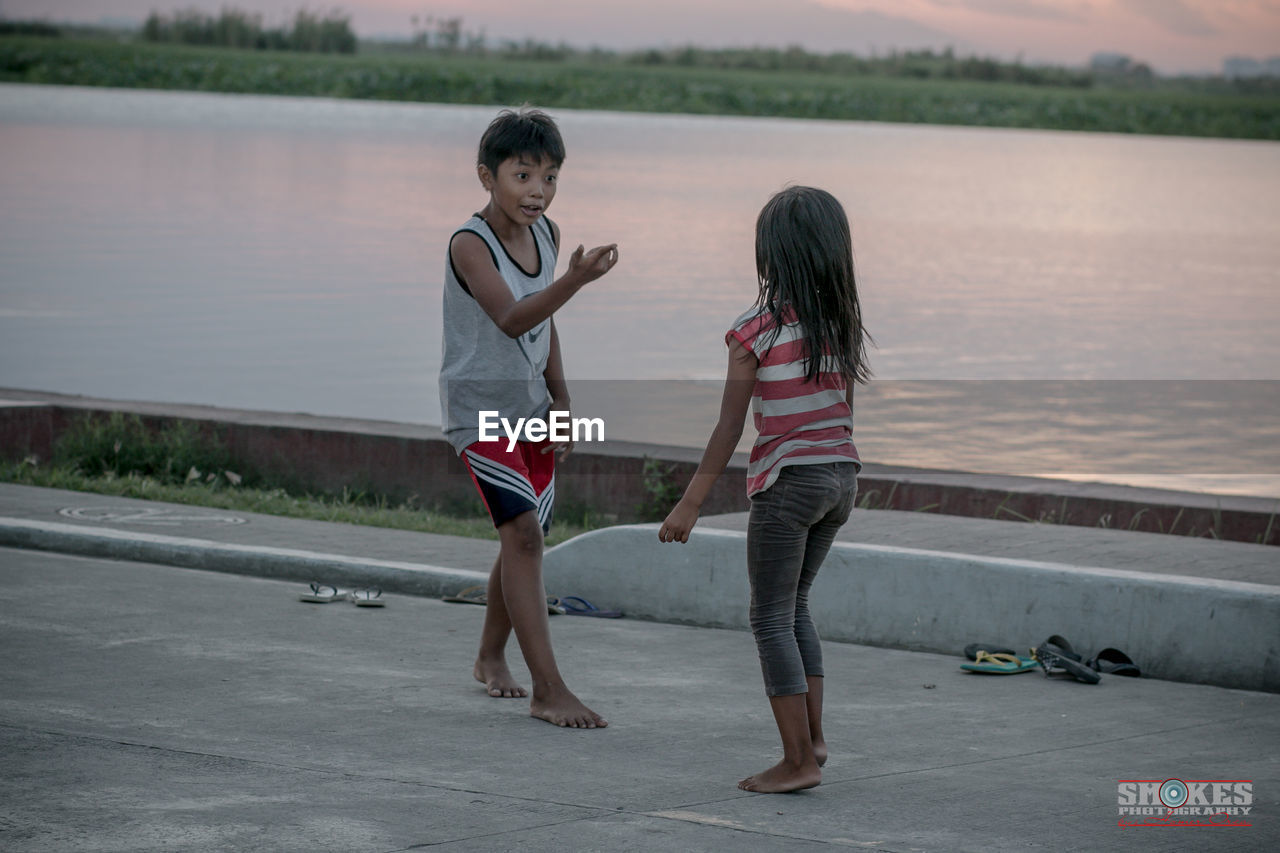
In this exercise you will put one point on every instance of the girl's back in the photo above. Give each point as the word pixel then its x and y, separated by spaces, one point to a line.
pixel 800 420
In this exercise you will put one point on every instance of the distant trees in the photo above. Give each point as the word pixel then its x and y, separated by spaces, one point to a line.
pixel 447 35
pixel 444 35
pixel 330 33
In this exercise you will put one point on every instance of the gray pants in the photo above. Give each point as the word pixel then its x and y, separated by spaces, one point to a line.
pixel 792 525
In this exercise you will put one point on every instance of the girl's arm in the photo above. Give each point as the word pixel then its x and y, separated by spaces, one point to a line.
pixel 554 377
pixel 738 385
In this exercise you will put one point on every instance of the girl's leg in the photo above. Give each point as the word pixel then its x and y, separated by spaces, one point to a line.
pixel 821 535
pixel 491 663
pixel 798 768
pixel 777 536
pixel 813 708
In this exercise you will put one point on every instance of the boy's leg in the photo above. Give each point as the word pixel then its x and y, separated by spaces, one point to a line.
pixel 491 663
pixel 526 609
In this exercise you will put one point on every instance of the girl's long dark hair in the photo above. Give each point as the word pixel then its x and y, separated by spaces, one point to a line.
pixel 804 261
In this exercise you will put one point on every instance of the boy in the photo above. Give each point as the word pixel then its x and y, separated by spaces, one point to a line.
pixel 501 353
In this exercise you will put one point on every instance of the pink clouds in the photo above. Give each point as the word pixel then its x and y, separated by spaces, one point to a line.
pixel 1172 35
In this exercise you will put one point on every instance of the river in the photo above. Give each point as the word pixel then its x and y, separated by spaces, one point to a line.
pixel 1066 304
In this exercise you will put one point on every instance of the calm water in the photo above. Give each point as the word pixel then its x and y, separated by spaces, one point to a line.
pixel 286 254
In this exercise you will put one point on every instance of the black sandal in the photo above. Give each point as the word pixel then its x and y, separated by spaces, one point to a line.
pixel 971 650
pixel 1056 657
pixel 1114 662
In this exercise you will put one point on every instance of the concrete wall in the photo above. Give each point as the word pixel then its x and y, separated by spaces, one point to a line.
pixel 940 602
pixel 309 453
pixel 306 452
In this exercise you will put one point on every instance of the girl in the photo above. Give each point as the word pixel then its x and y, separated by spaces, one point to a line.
pixel 795 356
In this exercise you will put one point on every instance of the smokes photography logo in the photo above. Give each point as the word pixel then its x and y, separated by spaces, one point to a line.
pixel 1190 802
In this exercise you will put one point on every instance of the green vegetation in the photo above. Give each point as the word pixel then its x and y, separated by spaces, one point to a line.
pixel 180 464
pixel 661 491
pixel 713 82
pixel 118 446
pixel 234 28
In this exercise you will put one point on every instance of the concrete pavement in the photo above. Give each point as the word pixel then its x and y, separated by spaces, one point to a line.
pixel 146 706
pixel 151 708
pixel 1186 609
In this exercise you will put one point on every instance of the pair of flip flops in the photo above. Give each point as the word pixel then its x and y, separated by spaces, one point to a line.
pixel 479 594
pixel 323 593
pixel 1057 657
pixel 565 605
pixel 990 659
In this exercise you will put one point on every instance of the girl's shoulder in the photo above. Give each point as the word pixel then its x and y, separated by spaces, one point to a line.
pixel 758 330
pixel 759 319
pixel 752 322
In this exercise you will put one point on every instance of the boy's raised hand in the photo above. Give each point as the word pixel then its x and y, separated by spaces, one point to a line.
pixel 589 266
pixel 679 523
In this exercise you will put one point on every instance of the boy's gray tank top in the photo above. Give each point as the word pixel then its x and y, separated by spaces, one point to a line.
pixel 482 368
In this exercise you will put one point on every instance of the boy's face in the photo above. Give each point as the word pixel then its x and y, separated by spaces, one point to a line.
pixel 522 189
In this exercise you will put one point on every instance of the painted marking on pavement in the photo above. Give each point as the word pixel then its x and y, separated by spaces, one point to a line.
pixel 160 517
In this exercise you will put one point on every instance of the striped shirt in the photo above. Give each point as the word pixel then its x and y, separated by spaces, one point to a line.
pixel 800 422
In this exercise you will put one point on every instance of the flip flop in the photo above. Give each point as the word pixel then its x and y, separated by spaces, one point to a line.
pixel 471 595
pixel 575 606
pixel 323 593
pixel 479 594
pixel 1114 662
pixel 368 597
pixel 972 650
pixel 999 663
pixel 1056 657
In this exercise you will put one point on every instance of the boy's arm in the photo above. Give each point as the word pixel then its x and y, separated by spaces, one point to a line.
pixel 738 385
pixel 554 376
pixel 473 262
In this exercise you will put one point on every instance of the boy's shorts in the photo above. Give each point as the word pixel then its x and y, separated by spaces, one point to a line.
pixel 513 482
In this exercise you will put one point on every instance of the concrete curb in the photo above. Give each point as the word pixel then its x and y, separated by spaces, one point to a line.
pixel 1177 628
pixel 256 560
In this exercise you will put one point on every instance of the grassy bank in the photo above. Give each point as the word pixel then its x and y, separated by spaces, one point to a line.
pixel 120 456
pixel 582 84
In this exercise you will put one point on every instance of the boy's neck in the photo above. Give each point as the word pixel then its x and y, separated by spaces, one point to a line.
pixel 502 225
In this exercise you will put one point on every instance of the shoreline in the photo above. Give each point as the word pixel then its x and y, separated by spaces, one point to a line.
pixel 638 88
pixel 615 477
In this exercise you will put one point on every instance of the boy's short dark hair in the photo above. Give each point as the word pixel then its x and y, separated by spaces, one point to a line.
pixel 526 132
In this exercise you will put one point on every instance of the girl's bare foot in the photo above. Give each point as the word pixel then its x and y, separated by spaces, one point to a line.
pixel 820 752
pixel 498 680
pixel 782 778
pixel 560 707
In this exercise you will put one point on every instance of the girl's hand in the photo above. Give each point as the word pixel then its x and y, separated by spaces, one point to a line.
pixel 679 523
pixel 589 266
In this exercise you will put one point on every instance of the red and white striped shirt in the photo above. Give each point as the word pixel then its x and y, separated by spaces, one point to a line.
pixel 800 422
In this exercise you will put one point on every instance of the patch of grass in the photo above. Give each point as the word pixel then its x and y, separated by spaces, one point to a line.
pixel 661 490
pixel 350 508
pixel 178 452
pixel 177 463
pixel 581 83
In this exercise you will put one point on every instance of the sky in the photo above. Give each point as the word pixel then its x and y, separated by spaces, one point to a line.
pixel 1173 36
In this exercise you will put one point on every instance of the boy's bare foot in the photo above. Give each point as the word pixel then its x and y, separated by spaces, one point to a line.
pixel 498 680
pixel 820 752
pixel 781 778
pixel 561 708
